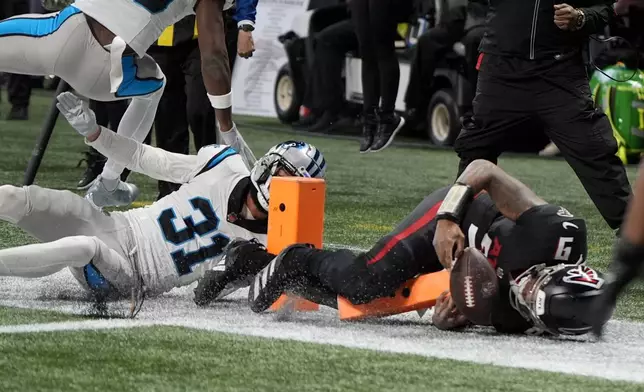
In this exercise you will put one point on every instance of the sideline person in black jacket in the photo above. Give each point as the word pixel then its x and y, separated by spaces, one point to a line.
pixel 531 71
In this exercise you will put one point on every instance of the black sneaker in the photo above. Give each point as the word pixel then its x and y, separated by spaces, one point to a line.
pixel 369 129
pixel 389 126
pixel 271 282
pixel 326 123
pixel 95 163
pixel 305 122
pixel 18 113
pixel 242 260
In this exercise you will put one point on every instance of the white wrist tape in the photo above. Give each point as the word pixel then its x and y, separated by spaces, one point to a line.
pixel 455 203
pixel 221 101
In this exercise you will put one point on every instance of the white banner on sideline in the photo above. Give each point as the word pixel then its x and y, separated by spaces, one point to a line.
pixel 254 79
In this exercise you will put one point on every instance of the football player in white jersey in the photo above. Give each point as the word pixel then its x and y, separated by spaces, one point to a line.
pixel 99 46
pixel 168 244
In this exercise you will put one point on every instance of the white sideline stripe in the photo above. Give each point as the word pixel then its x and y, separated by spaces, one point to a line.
pixel 76 326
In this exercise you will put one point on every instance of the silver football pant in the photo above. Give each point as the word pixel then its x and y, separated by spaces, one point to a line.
pixel 73 234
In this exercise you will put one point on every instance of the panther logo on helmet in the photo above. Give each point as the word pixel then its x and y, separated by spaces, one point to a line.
pixel 583 275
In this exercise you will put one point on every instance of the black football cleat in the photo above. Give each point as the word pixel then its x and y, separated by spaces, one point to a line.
pixel 242 260
pixel 271 282
pixel 389 127
pixel 18 113
pixel 95 163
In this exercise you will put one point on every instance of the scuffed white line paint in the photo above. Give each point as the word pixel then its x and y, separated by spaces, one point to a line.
pixel 75 326
pixel 620 357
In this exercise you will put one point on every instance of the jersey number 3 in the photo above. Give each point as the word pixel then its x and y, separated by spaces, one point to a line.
pixel 154 6
pixel 207 228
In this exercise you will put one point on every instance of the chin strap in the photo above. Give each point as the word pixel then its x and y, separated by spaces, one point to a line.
pixel 253 194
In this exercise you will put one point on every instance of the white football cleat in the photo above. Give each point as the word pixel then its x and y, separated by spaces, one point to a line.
pixel 123 195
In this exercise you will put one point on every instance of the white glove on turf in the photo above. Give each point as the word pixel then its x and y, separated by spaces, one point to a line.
pixel 77 113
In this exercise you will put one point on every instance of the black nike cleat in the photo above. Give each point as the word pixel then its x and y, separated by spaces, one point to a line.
pixel 242 260
pixel 275 278
pixel 209 287
pixel 389 127
pixel 95 163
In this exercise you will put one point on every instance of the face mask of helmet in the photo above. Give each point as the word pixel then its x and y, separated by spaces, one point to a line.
pixel 557 299
pixel 526 296
pixel 287 159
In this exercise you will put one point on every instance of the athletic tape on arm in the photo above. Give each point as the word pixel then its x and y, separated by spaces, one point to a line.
pixel 221 101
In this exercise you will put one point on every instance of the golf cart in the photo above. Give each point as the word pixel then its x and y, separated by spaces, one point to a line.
pixel 451 94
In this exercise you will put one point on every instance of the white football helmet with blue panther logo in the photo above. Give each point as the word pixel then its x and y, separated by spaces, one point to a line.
pixel 298 159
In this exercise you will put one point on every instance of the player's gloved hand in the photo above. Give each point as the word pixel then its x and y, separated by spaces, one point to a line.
pixel 446 315
pixel 449 242
pixel 77 113
pixel 245 44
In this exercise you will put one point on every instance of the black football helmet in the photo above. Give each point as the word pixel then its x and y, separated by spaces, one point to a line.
pixel 557 299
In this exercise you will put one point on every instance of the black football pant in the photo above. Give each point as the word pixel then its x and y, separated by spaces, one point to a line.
pixel 513 95
pixel 108 115
pixel 184 104
pixel 394 259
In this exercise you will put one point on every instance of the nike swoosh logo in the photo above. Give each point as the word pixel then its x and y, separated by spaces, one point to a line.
pixel 567 225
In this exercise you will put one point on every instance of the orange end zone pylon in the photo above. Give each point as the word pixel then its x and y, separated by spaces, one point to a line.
pixel 416 294
pixel 296 215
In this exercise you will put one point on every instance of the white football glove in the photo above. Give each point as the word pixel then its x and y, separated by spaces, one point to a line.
pixel 77 113
pixel 234 139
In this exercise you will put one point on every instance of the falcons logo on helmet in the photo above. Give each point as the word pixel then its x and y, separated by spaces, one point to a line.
pixel 584 276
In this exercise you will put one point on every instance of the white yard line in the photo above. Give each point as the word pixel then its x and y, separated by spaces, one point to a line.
pixel 75 326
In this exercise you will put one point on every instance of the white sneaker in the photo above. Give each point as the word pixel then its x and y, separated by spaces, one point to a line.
pixel 122 196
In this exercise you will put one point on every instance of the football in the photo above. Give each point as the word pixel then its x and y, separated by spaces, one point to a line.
pixel 474 286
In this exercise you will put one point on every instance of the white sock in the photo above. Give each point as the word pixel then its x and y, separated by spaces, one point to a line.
pixel 13 203
pixel 135 124
pixel 230 137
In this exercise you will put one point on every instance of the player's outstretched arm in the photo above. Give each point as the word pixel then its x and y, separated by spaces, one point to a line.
pixel 510 195
pixel 217 74
pixel 214 59
pixel 151 161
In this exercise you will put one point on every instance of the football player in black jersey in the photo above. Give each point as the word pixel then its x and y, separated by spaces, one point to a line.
pixel 537 249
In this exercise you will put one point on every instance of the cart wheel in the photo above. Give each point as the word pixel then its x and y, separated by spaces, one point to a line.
pixel 285 98
pixel 443 118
